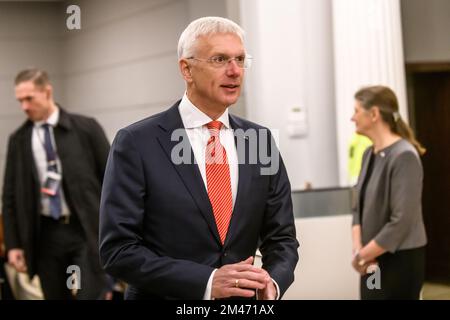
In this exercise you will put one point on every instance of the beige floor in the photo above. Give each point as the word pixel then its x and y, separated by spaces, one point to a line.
pixel 436 291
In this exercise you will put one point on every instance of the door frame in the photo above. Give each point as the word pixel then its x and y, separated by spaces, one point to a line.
pixel 413 69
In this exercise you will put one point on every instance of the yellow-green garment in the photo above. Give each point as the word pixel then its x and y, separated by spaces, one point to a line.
pixel 357 147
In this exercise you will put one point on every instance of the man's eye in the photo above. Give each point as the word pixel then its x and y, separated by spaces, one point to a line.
pixel 240 59
pixel 219 59
pixel 27 99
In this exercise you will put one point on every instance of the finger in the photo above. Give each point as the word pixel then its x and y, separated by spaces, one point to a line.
pixel 227 290
pixel 254 276
pixel 267 275
pixel 249 260
pixel 109 295
pixel 363 270
pixel 17 267
pixel 250 284
pixel 246 267
pixel 14 263
pixel 12 258
pixel 266 294
pixel 240 292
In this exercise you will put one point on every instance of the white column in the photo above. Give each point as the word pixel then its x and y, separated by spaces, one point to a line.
pixel 291 42
pixel 368 50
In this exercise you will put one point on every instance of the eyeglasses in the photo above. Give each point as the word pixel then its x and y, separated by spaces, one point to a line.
pixel 221 61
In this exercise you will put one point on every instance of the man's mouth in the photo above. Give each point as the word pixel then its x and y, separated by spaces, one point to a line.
pixel 230 86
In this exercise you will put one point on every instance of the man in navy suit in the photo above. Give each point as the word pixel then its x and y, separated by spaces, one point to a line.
pixel 191 193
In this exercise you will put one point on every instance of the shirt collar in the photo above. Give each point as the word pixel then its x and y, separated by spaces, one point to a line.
pixel 52 119
pixel 192 117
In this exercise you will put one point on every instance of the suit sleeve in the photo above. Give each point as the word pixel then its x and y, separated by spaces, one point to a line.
pixel 122 252
pixel 9 211
pixel 100 146
pixel 278 238
pixel 405 201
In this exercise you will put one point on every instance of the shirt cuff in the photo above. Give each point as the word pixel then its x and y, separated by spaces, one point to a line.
pixel 207 295
pixel 277 297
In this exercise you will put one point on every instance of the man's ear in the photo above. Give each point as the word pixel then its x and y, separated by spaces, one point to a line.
pixel 185 69
pixel 49 91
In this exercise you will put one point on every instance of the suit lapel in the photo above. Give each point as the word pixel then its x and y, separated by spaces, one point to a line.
pixel 188 172
pixel 28 151
pixel 364 167
pixel 31 173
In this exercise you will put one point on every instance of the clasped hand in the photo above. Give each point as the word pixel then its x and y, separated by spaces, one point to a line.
pixel 242 279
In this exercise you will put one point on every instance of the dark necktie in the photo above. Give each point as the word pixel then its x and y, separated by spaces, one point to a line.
pixel 55 200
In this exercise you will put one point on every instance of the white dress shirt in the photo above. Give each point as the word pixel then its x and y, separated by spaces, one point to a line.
pixel 194 122
pixel 40 159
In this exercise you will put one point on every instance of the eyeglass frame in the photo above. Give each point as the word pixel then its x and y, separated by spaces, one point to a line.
pixel 247 60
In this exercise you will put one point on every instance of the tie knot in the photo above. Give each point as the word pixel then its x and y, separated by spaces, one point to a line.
pixel 45 126
pixel 214 127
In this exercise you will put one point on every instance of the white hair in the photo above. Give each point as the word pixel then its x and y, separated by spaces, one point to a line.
pixel 205 26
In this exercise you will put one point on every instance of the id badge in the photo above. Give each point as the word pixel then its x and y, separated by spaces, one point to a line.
pixel 51 183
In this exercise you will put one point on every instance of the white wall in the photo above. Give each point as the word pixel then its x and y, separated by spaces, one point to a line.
pixel 122 65
pixel 368 51
pixel 426 29
pixel 293 67
pixel 201 8
pixel 119 68
pixel 324 270
pixel 30 35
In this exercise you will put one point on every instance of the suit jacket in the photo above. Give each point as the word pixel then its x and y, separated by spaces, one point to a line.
pixel 83 150
pixel 157 228
pixel 392 212
pixel 2 241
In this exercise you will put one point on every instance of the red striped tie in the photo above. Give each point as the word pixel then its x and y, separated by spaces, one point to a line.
pixel 218 180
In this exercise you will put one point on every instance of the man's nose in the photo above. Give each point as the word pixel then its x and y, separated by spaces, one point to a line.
pixel 25 105
pixel 233 68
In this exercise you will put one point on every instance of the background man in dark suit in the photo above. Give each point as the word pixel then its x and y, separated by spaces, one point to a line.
pixel 190 229
pixel 51 193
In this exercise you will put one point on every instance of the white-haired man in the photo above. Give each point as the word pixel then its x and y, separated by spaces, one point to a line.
pixel 189 229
